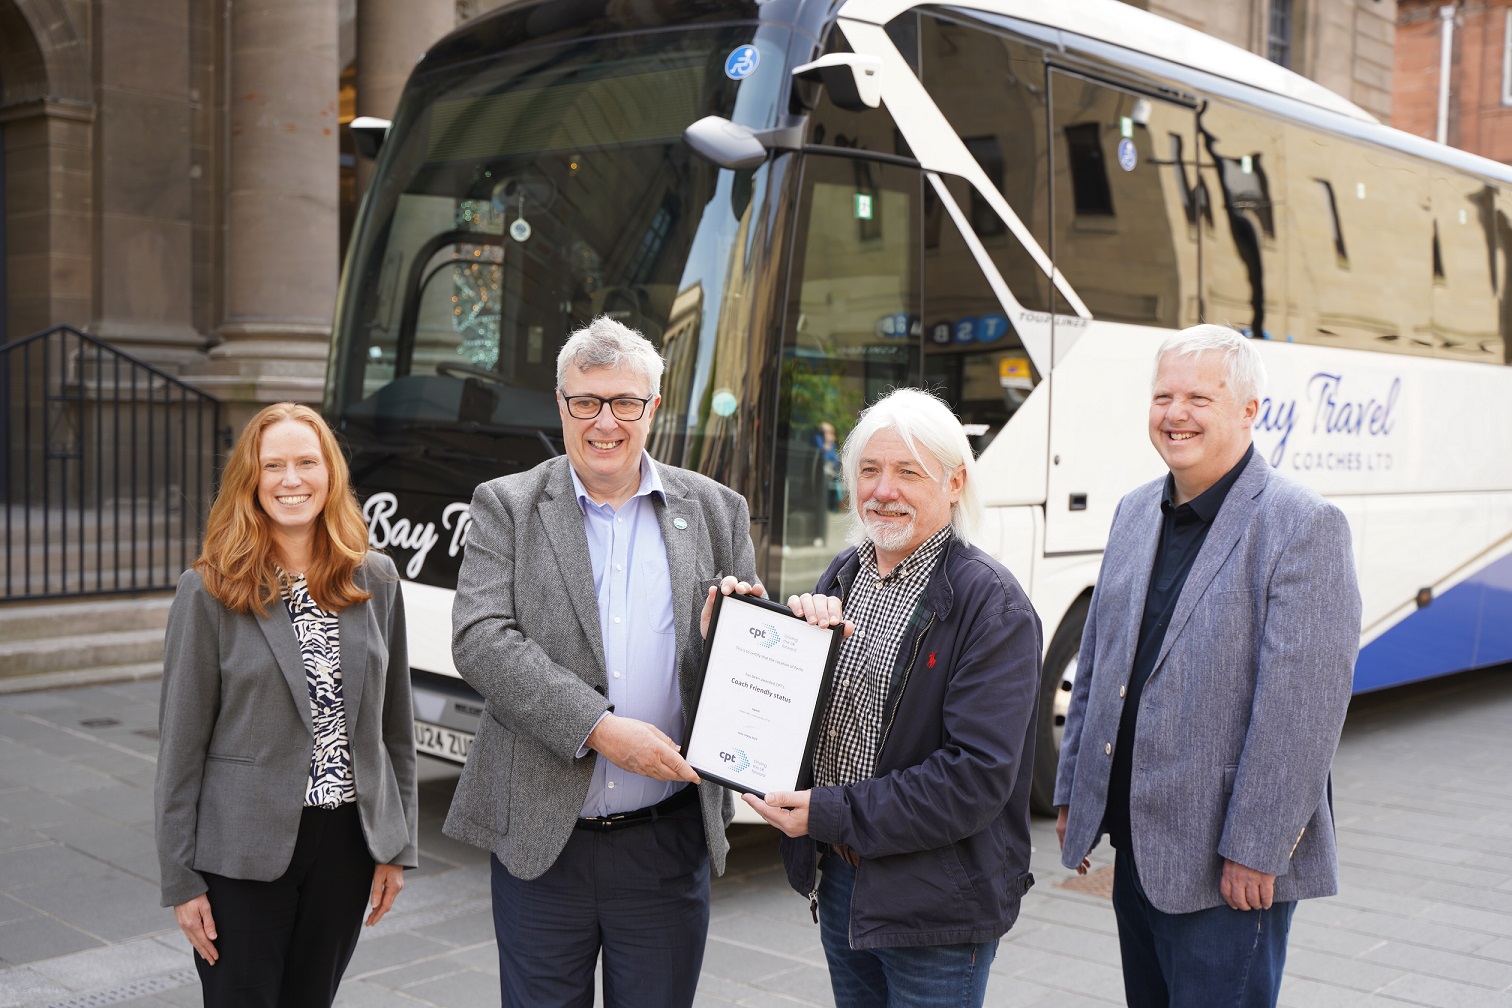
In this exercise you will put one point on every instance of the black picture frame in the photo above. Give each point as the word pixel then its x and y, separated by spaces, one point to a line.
pixel 804 776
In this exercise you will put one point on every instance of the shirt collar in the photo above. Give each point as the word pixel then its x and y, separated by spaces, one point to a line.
pixel 921 559
pixel 650 483
pixel 1207 503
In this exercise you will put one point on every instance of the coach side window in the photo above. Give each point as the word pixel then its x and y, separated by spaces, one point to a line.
pixel 1466 313
pixel 1126 200
pixel 990 87
pixel 1244 245
pixel 1361 257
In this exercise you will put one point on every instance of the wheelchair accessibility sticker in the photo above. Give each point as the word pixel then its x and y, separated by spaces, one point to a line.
pixel 741 62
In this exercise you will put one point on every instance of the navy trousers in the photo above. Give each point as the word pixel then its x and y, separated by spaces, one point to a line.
pixel 640 895
pixel 1214 957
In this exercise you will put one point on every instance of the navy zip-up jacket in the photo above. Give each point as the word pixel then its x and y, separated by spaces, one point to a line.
pixel 943 827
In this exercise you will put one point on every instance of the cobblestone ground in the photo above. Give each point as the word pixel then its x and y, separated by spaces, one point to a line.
pixel 1425 916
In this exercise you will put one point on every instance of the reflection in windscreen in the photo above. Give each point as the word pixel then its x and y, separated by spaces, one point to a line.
pixel 542 195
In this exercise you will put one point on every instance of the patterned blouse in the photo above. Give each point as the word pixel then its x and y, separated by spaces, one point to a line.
pixel 331 783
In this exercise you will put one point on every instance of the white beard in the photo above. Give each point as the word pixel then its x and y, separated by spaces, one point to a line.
pixel 885 535
pixel 890 538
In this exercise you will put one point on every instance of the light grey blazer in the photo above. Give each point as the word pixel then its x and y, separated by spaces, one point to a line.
pixel 236 734
pixel 525 635
pixel 1240 718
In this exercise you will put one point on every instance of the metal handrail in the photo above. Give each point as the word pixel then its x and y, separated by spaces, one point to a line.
pixel 108 466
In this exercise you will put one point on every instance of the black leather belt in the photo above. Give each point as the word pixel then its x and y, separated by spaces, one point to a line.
pixel 624 820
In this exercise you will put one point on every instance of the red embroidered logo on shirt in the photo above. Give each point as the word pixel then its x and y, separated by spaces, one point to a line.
pixel 931 659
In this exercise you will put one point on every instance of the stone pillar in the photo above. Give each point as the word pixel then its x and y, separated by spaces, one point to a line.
pixel 49 214
pixel 47 122
pixel 145 271
pixel 391 37
pixel 281 205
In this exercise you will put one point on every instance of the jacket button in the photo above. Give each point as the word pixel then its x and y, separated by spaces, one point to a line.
pixel 1108 748
pixel 1123 691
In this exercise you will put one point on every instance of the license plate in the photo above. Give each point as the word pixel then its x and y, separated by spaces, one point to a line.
pixel 442 742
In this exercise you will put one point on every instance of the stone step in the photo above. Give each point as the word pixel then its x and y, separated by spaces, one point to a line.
pixel 32 621
pixel 79 677
pixel 104 543
pixel 81 651
pixel 21 523
pixel 17 589
pixel 82 570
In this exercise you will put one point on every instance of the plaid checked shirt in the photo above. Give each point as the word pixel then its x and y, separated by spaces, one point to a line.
pixel 880 607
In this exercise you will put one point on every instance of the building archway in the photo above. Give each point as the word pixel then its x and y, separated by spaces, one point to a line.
pixel 46 127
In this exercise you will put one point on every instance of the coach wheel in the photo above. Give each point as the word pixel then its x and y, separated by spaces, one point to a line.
pixel 1056 683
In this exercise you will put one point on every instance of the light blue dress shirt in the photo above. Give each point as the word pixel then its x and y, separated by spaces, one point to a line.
pixel 634 589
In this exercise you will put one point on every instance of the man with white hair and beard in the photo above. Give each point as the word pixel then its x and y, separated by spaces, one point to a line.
pixel 918 824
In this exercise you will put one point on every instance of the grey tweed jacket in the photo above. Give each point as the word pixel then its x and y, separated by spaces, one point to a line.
pixel 525 635
pixel 1240 718
pixel 235 724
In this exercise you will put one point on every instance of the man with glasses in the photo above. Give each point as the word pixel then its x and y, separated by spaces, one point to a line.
pixel 577 619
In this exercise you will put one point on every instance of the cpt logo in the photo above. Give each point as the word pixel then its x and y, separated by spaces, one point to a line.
pixel 767 636
pixel 738 760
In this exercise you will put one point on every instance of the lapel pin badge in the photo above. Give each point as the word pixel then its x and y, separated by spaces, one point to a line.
pixel 679 523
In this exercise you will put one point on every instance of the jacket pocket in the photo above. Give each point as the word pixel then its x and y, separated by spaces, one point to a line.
pixel 1241 596
pixel 222 758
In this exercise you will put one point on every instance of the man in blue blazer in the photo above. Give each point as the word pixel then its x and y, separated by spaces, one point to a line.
pixel 1213 679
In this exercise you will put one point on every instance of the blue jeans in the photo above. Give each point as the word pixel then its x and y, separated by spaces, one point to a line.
pixel 1214 958
pixel 915 976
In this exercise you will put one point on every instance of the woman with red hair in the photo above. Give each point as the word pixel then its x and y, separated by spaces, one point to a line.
pixel 286 773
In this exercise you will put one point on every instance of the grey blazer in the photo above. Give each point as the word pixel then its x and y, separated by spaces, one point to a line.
pixel 525 635
pixel 1241 716
pixel 236 734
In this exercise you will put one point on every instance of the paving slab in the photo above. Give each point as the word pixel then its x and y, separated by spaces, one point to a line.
pixel 112 905
pixel 36 938
pixel 1424 917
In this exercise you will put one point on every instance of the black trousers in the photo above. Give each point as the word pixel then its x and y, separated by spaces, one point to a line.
pixel 286 943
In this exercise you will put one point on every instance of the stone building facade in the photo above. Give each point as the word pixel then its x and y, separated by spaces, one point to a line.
pixel 1476 111
pixel 1345 45
pixel 172 180
pixel 171 174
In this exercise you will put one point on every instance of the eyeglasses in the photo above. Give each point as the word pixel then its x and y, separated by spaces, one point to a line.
pixel 587 407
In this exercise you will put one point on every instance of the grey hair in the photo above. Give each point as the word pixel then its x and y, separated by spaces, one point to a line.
pixel 921 420
pixel 1245 370
pixel 605 343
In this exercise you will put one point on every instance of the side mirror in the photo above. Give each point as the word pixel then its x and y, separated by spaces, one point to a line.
pixel 854 81
pixel 726 144
pixel 368 133
pixel 730 145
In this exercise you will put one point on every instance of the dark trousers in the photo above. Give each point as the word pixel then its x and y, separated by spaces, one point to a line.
pixel 285 943
pixel 1216 956
pixel 640 894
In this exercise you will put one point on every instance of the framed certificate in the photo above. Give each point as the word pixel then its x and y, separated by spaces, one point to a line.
pixel 766 679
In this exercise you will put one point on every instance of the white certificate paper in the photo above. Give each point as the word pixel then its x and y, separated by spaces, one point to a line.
pixel 766 677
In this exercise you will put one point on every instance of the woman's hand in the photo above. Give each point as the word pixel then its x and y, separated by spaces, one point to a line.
pixel 198 926
pixel 729 585
pixel 388 879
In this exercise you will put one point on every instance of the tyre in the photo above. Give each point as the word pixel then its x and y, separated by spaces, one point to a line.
pixel 1056 681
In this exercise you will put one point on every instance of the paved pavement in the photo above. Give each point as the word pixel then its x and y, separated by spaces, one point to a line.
pixel 1425 917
